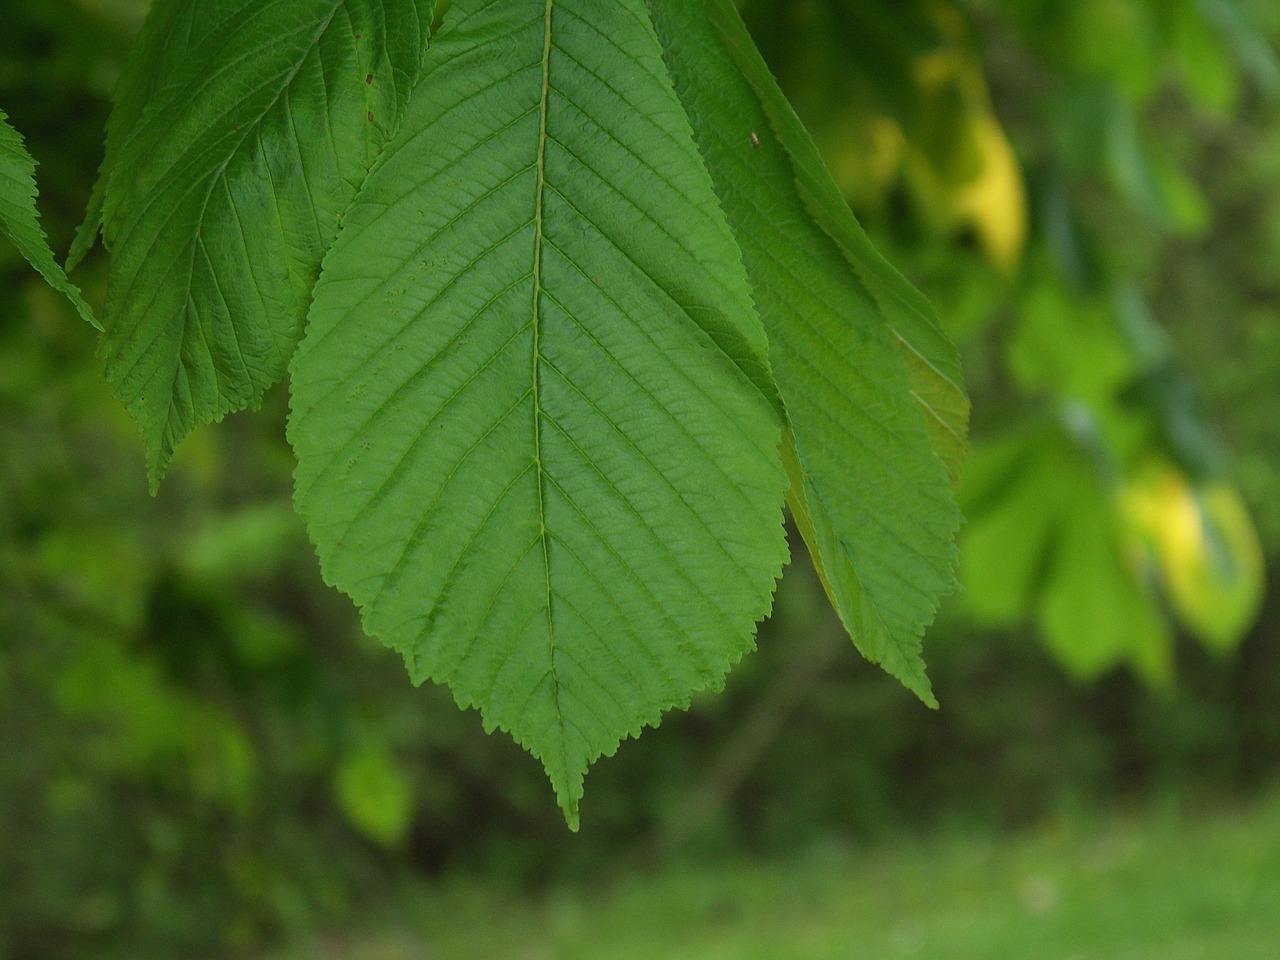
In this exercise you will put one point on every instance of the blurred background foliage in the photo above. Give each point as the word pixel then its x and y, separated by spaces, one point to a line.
pixel 1033 165
pixel 202 754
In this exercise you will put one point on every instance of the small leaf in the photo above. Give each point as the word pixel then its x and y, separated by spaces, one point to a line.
pixel 375 795
pixel 533 415
pixel 20 220
pixel 243 130
pixel 1012 495
pixel 1095 610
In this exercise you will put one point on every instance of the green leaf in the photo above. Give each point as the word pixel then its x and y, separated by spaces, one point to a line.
pixel 1012 495
pixel 243 131
pixel 933 361
pixel 87 233
pixel 1046 541
pixel 1095 612
pixel 156 58
pixel 1065 344
pixel 868 492
pixel 375 795
pixel 20 220
pixel 532 412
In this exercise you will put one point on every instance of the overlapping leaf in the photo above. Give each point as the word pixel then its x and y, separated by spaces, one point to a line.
pixel 532 411
pixel 932 359
pixel 868 487
pixel 19 219
pixel 243 130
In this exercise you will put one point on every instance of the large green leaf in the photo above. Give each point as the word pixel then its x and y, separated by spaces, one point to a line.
pixel 868 492
pixel 19 219
pixel 532 410
pixel 244 129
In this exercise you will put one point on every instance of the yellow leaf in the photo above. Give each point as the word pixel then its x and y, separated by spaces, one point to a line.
pixel 960 132
pixel 1205 548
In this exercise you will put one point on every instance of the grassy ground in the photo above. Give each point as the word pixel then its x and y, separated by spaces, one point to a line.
pixel 1157 888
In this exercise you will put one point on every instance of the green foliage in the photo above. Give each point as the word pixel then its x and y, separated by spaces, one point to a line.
pixel 241 135
pixel 573 301
pixel 1101 505
pixel 859 446
pixel 1045 539
pixel 203 756
pixel 533 437
pixel 19 219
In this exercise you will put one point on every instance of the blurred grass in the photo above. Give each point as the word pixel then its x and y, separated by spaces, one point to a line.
pixel 1165 885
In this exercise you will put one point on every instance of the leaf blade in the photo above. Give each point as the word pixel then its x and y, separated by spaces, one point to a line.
pixel 867 489
pixel 242 133
pixel 933 361
pixel 20 220
pixel 534 445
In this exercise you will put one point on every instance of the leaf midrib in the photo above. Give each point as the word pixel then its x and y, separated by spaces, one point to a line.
pixel 541 185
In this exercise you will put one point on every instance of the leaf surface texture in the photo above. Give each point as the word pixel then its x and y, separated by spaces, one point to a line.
pixel 534 420
pixel 869 490
pixel 937 380
pixel 242 131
